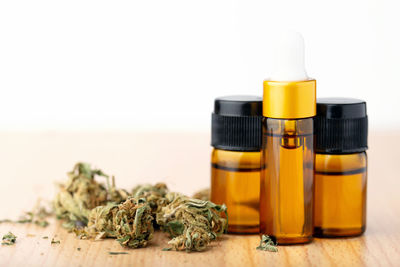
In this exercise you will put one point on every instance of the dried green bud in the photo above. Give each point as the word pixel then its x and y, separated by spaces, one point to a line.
pixel 267 244
pixel 192 223
pixel 129 222
pixel 203 194
pixel 9 239
pixel 133 223
pixel 82 193
pixel 192 239
pixel 154 195
pixel 101 221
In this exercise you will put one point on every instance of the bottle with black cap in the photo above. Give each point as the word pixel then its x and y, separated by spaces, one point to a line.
pixel 235 160
pixel 341 167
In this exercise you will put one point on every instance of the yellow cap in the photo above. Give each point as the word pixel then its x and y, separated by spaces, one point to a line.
pixel 289 100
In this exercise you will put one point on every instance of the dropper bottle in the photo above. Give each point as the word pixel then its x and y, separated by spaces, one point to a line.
pixel 287 156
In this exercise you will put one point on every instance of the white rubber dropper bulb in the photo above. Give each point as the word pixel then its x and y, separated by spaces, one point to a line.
pixel 288 58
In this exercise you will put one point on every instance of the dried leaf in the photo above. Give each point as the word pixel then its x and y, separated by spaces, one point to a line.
pixel 192 223
pixel 53 241
pixel 82 193
pixel 9 239
pixel 38 216
pixel 267 244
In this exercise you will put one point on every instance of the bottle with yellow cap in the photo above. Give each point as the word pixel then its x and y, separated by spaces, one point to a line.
pixel 287 173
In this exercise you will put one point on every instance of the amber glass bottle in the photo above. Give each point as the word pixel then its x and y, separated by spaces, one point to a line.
pixel 341 167
pixel 235 160
pixel 287 175
pixel 236 182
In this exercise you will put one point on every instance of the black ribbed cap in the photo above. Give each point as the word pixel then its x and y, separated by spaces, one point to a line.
pixel 341 125
pixel 236 123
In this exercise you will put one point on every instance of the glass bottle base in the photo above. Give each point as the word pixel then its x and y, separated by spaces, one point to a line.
pixel 243 229
pixel 293 240
pixel 338 232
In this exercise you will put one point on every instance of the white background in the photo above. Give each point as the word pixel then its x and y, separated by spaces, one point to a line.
pixel 158 65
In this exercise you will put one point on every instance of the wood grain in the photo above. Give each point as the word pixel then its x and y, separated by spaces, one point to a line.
pixel 32 162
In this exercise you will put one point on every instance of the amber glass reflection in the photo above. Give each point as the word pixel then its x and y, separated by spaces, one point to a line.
pixel 287 174
pixel 235 181
pixel 340 194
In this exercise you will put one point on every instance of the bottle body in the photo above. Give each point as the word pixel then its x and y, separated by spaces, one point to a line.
pixel 235 182
pixel 287 180
pixel 340 194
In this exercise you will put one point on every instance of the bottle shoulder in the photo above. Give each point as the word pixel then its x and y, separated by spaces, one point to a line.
pixel 236 159
pixel 340 162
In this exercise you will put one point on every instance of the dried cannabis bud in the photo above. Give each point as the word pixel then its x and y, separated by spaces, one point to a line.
pixel 101 223
pixel 192 223
pixel 267 244
pixel 133 223
pixel 9 239
pixel 129 222
pixel 203 194
pixel 82 193
pixel 154 195
pixel 94 210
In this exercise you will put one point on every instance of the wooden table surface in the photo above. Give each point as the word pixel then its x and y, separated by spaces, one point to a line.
pixel 33 162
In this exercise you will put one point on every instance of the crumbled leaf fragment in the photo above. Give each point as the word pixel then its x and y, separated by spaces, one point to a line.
pixel 78 249
pixel 42 223
pixel 9 239
pixel 45 237
pixel 37 216
pixel 267 244
pixel 53 241
pixel 117 253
